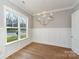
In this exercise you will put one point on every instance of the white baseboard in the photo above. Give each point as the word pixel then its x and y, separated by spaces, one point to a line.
pixel 75 51
pixel 48 43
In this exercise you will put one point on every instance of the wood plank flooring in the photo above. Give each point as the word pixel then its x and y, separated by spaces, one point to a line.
pixel 42 51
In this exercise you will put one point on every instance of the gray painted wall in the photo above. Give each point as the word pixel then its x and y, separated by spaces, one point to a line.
pixel 57 32
pixel 61 19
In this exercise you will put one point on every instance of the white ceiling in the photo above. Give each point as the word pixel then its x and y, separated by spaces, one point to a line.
pixel 37 6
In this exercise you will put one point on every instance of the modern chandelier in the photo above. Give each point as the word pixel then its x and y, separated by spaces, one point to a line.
pixel 45 17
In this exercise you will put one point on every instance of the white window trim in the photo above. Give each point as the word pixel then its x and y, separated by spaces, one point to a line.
pixel 26 17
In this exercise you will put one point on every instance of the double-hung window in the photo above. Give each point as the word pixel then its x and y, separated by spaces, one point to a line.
pixel 16 25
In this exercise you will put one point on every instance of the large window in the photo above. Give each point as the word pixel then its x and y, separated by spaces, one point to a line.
pixel 16 25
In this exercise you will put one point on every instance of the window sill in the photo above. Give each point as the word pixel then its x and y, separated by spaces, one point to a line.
pixel 16 41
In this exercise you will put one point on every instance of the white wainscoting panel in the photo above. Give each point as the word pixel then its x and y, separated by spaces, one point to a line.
pixel 12 48
pixel 53 36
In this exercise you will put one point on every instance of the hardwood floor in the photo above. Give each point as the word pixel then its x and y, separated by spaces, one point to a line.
pixel 41 51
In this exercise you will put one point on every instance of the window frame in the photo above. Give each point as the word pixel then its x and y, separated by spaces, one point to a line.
pixel 18 27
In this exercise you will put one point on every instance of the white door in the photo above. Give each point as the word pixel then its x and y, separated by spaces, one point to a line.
pixel 75 31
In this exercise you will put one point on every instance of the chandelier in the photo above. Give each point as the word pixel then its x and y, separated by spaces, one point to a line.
pixel 45 18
